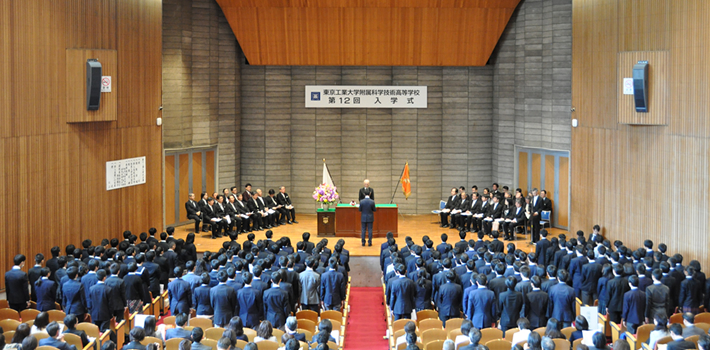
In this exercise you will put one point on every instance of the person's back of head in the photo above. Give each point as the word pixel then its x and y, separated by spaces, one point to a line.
pixel 53 329
pixel 292 344
pixel 704 342
pixel 196 334
pixel 688 318
pixel 523 323
pixel 411 338
pixel 186 344
pixel 621 344
pixel 474 336
pixel 29 343
pixel 676 330
pixel 599 340
pixel 548 344
pixel 448 345
pixel 534 339
pixel 137 334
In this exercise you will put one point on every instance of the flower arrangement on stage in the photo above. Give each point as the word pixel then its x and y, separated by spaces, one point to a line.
pixel 326 194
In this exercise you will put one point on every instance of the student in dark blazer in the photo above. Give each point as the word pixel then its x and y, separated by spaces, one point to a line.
pixel 591 273
pixel 632 315
pixel 178 331
pixel 615 289
pixel 401 294
pixel 73 295
pixel 448 300
pixel 367 217
pixel 201 297
pixel 136 291
pixel 464 205
pixel 193 211
pixel 541 248
pixel 179 294
pixel 276 302
pixel 99 302
pixel 575 270
pixel 70 324
pixel 472 224
pixel 481 306
pixel 196 335
pixel 332 287
pixel 510 304
pixel 137 335
pixel 250 303
pixel 689 297
pixel 515 218
pixel 153 271
pixel 118 292
pixel 17 285
pixel 223 300
pixel 34 274
pixel 678 342
pixel 657 297
pixel 562 300
pixel 46 290
pixel 55 338
pixel 495 211
pixel 536 303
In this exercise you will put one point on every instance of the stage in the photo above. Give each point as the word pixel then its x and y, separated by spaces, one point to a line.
pixel 415 226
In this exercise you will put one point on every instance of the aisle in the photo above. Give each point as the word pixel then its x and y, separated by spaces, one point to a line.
pixel 366 324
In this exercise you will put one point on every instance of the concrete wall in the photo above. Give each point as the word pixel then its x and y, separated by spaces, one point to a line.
pixel 201 84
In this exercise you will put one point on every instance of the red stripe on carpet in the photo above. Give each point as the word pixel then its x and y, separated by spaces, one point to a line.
pixel 367 321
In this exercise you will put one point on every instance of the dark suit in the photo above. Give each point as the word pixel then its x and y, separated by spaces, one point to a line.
pixel 366 191
pixel 133 346
pixel 536 308
pixel 136 289
pixel 615 289
pixel 680 344
pixel 471 222
pixel 153 271
pixel 367 217
pixel 209 214
pixel 243 208
pixel 16 287
pixel 332 289
pixel 223 300
pixel 536 205
pixel 448 300
pixel 74 298
pixel 192 209
pixel 481 307
pixel 401 296
pixel 276 306
pixel 634 307
pixel 118 295
pixel 517 214
pixel 495 211
pixel 561 304
pixel 201 301
pixel 658 299
pixel 458 220
pixel 249 306
pixel 33 275
pixel 256 218
pixel 285 200
pixel 99 304
pixel 46 290
pixel 173 333
pixel 272 203
pixel 541 248
pixel 510 304
pixel 179 296
pixel 590 277
pixel 56 343
pixel 575 271
pixel 451 204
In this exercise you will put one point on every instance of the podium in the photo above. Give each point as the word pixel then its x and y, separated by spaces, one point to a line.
pixel 326 222
pixel 348 221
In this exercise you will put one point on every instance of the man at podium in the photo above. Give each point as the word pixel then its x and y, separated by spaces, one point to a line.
pixel 366 191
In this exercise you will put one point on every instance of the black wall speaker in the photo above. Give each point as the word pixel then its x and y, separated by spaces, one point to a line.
pixel 93 84
pixel 640 76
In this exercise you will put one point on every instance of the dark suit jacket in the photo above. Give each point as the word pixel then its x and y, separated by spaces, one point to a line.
pixel 561 304
pixel 510 304
pixel 201 300
pixel 401 296
pixel 79 333
pixel 448 300
pixel 615 289
pixel 223 300
pixel 481 307
pixel 118 292
pixel 100 302
pixel 452 202
pixel 366 191
pixel 475 206
pixel 192 208
pixel 276 306
pixel 634 307
pixel 56 343
pixel 680 345
pixel 536 308
pixel 249 307
pixel 658 299
pixel 496 246
pixel 180 296
pixel 689 295
pixel 541 248
pixel 33 275
pixel 590 277
pixel 367 209
pixel 332 287
pixel 74 298
pixel 575 270
pixel 495 211
pixel 16 283
pixel 177 333
pixel 284 199
pixel 46 290
pixel 135 288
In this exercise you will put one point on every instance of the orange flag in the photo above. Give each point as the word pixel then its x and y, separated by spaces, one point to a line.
pixel 406 185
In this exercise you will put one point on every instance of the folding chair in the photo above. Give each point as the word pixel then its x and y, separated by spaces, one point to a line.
pixel 489 334
pixel 426 314
pixel 307 315
pixel 502 344
pixel 91 329
pixel 201 322
pixel 10 314
pixel 433 334
pixel 174 344
pixel 56 316
pixel 429 324
pixel 73 339
pixel 703 317
pixel 442 205
pixel 214 333
pixel 642 334
pixel 567 332
pixel 434 345
pixel 561 344
pixel 306 324
pixel 453 323
pixel 545 216
pixel 28 314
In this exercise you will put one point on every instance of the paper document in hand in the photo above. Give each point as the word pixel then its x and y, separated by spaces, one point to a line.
pixel 216 220
pixel 244 216
pixel 229 220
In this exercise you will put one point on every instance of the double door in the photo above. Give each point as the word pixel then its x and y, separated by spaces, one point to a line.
pixel 546 170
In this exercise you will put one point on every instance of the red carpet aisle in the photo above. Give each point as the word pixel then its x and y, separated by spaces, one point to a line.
pixel 366 323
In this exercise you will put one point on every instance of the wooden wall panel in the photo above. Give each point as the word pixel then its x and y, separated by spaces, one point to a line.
pixel 64 164
pixel 562 216
pixel 658 88
pixel 643 182
pixel 210 180
pixel 184 186
pixel 536 171
pixel 523 172
pixel 549 184
pixel 170 189
pixel 368 33
pixel 197 181
pixel 76 86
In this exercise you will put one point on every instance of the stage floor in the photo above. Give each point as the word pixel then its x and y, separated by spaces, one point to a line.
pixel 415 226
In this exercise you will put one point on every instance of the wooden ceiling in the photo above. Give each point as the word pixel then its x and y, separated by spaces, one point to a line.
pixel 368 32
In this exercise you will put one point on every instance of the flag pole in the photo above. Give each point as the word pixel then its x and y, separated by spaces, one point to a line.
pixel 398 181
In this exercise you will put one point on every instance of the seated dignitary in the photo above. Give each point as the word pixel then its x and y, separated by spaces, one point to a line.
pixel 283 199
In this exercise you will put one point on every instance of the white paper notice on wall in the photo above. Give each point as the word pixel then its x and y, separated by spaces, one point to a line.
pixel 125 172
pixel 106 83
pixel 628 86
